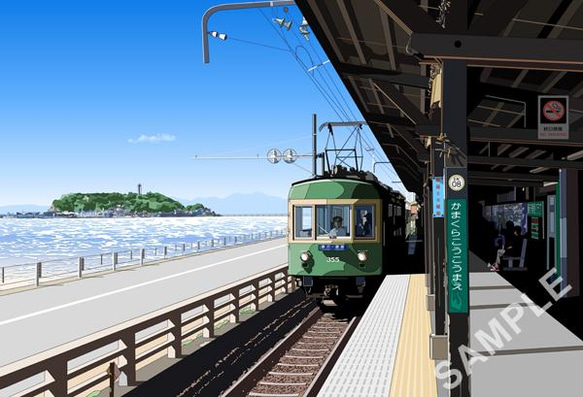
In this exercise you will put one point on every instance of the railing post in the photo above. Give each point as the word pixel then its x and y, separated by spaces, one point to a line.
pixel 101 259
pixel 210 304
pixel 130 355
pixel 58 371
pixel 237 295
pixel 235 243
pixel 131 255
pixel 156 251
pixel 212 242
pixel 175 349
pixel 175 247
pixel 225 242
pixel 165 252
pixel 183 248
pixel 2 274
pixel 39 273
pixel 198 246
pixel 114 261
pixel 256 300
pixel 81 267
pixel 142 256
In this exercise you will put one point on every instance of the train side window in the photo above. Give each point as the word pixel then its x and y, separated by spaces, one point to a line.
pixel 390 210
pixel 398 210
pixel 365 226
pixel 303 222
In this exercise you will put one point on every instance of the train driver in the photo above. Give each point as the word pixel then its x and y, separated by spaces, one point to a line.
pixel 338 230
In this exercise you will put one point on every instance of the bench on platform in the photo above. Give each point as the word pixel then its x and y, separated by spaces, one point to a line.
pixel 520 259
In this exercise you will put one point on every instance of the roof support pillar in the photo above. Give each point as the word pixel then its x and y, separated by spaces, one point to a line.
pixel 569 235
pixel 438 243
pixel 454 127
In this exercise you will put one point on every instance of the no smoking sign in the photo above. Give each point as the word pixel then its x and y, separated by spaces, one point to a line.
pixel 554 111
pixel 553 117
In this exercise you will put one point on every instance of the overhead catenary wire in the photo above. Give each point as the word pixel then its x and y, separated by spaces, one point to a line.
pixel 329 96
pixel 319 88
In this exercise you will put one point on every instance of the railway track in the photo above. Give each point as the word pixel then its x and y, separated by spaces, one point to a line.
pixel 298 364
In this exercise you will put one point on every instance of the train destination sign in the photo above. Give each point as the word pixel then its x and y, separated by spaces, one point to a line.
pixel 457 255
pixel 553 117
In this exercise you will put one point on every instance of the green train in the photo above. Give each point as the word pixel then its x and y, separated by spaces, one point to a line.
pixel 346 232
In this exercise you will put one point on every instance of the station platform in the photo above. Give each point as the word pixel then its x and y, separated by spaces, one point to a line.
pixel 544 358
pixel 388 354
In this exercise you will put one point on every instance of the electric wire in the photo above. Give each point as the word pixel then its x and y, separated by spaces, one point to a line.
pixel 297 60
pixel 327 71
pixel 258 44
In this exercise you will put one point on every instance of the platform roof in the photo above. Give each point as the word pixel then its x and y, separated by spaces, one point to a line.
pixel 515 50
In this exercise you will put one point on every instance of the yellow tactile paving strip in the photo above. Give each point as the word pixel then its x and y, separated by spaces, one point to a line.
pixel 414 373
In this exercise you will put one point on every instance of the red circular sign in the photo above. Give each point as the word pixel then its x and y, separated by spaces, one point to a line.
pixel 553 110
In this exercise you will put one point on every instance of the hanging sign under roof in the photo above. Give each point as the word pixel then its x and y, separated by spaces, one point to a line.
pixel 553 117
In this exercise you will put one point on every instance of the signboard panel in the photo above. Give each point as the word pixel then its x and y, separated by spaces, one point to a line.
pixel 438 197
pixel 457 255
pixel 535 208
pixel 553 117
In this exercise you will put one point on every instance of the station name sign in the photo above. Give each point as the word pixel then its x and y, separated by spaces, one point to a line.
pixel 456 227
pixel 553 117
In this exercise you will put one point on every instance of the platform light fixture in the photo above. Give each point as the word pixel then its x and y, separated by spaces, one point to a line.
pixel 575 156
pixel 304 29
pixel 283 24
pixel 217 35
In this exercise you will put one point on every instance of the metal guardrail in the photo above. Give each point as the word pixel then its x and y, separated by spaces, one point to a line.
pixel 29 274
pixel 86 364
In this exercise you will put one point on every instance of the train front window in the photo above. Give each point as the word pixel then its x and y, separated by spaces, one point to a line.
pixel 303 222
pixel 365 227
pixel 333 221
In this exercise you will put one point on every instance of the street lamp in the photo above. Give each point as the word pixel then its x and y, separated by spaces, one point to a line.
pixel 227 7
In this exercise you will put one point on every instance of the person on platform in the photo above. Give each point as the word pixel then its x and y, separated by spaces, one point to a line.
pixel 511 240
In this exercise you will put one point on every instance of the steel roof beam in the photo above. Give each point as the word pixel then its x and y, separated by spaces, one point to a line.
pixel 400 101
pixel 497 17
pixel 411 139
pixel 389 33
pixel 486 182
pixel 409 16
pixel 508 135
pixel 534 163
pixel 499 49
pixel 511 176
pixel 389 76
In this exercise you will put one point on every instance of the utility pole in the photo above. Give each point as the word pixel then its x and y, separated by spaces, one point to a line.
pixel 314 144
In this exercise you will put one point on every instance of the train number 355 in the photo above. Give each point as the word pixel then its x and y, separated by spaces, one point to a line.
pixel 332 259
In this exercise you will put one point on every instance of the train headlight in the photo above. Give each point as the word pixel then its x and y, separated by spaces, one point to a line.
pixel 362 256
pixel 305 256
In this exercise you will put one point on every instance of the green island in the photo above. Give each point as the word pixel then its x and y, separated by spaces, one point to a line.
pixel 126 204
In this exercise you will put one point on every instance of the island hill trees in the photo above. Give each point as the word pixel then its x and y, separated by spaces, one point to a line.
pixel 130 203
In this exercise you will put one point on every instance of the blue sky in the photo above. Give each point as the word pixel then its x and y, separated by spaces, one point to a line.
pixel 103 95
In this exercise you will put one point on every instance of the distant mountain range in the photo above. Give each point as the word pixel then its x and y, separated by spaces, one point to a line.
pixel 243 203
pixel 5 209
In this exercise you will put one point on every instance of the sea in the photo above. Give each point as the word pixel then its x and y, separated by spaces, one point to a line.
pixel 32 240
